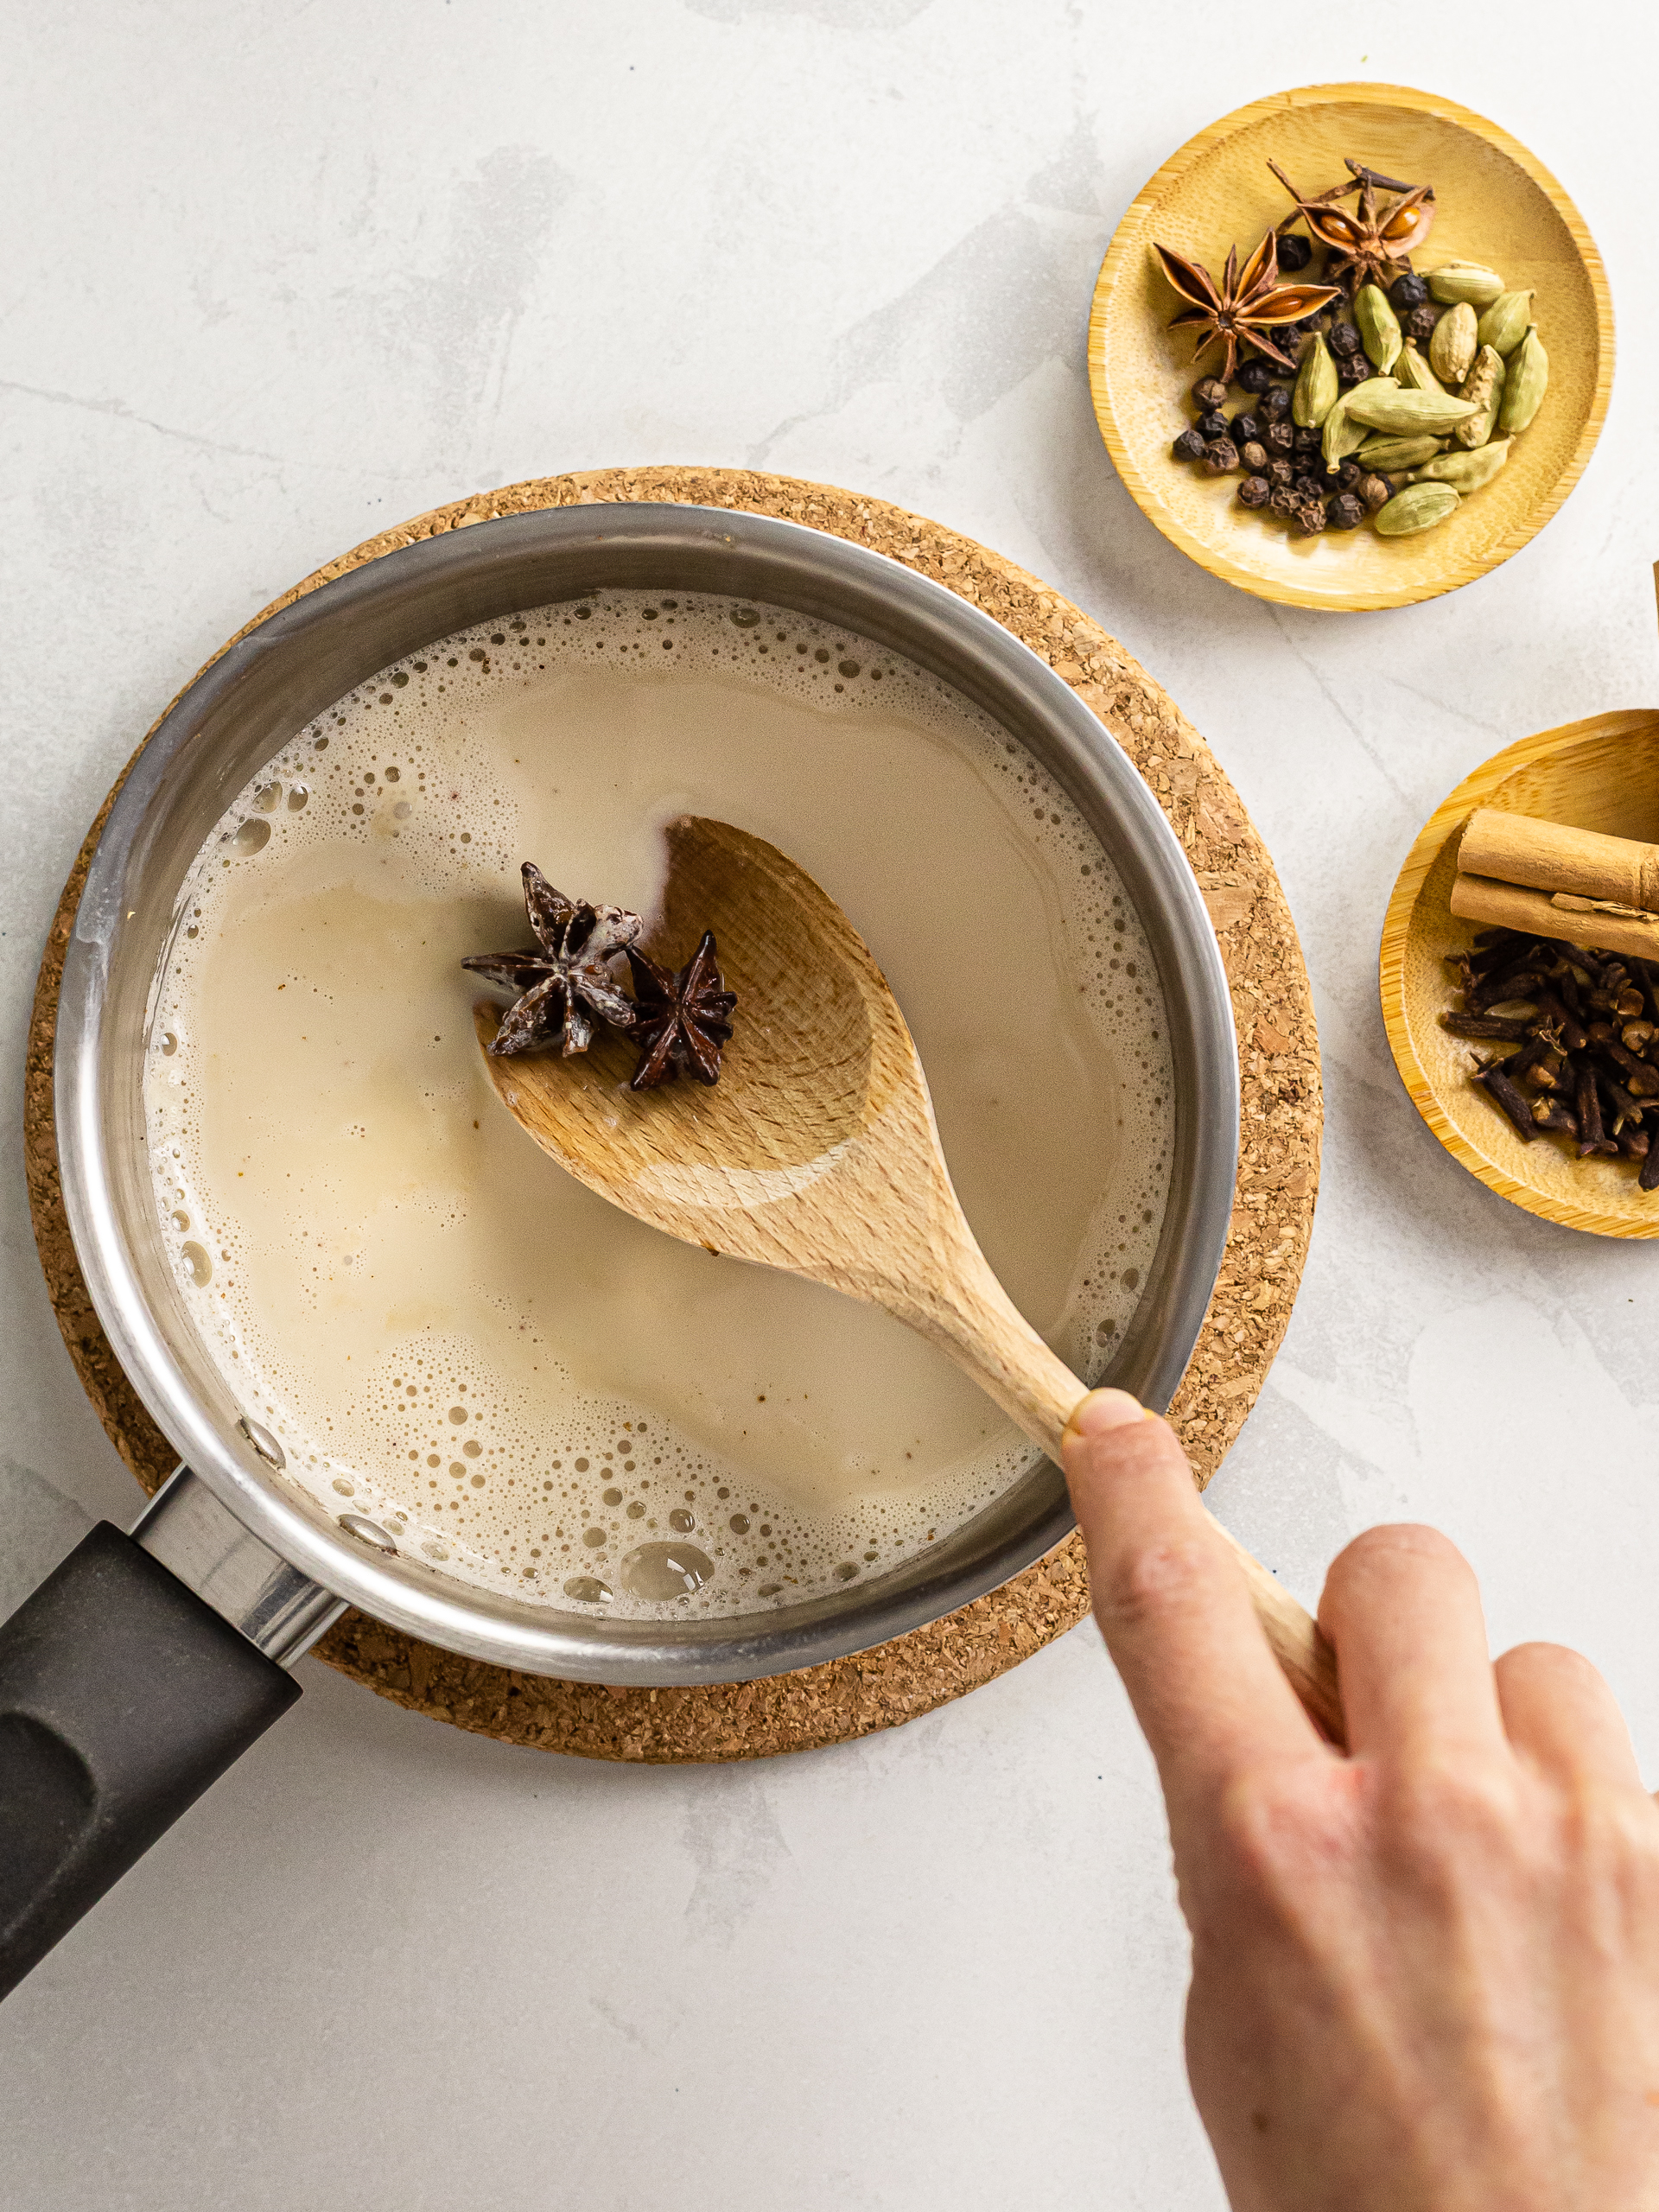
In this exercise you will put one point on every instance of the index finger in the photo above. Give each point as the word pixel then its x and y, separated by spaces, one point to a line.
pixel 1174 1606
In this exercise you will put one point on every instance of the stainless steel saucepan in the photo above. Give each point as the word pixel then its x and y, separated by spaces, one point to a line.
pixel 147 1662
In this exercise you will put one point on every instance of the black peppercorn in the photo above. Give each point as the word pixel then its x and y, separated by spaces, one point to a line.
pixel 1346 512
pixel 1309 486
pixel 1281 501
pixel 1244 428
pixel 1213 425
pixel 1253 378
pixel 1309 325
pixel 1294 252
pixel 1407 292
pixel 1255 492
pixel 1281 472
pixel 1254 455
pixel 1307 441
pixel 1376 491
pixel 1209 393
pixel 1419 323
pixel 1275 405
pixel 1188 446
pixel 1344 338
pixel 1279 437
pixel 1354 368
pixel 1219 455
pixel 1310 517
pixel 1348 476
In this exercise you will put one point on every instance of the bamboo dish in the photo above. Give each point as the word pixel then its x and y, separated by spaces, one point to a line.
pixel 1601 776
pixel 1497 206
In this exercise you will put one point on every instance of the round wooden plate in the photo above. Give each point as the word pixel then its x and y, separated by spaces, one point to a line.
pixel 1273 1215
pixel 1497 206
pixel 1601 774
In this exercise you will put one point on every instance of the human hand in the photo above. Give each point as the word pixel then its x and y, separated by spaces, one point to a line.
pixel 1426 1973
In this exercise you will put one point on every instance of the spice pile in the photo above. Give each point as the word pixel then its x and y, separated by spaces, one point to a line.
pixel 1581 1033
pixel 1370 390
pixel 563 986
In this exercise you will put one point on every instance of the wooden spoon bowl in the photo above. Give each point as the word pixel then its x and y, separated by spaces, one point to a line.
pixel 816 1151
pixel 1601 774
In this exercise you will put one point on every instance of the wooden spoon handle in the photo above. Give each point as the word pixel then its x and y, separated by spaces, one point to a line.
pixel 987 1335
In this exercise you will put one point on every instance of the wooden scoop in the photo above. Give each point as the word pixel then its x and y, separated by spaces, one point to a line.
pixel 816 1151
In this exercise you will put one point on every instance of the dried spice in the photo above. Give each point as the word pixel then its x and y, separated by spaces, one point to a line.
pixel 1460 281
pixel 1249 307
pixel 1381 405
pixel 1506 323
pixel 1525 384
pixel 1388 367
pixel 1370 244
pixel 1378 327
pixel 680 1020
pixel 563 984
pixel 1316 386
pixel 1483 389
pixel 1413 372
pixel 1584 1025
pixel 1383 451
pixel 1464 472
pixel 1419 506
pixel 1453 348
pixel 1422 322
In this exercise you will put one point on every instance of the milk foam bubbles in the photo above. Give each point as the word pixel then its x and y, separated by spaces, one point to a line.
pixel 448 1334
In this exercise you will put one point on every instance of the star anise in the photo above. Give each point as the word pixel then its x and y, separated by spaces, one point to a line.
pixel 562 982
pixel 680 1021
pixel 1247 307
pixel 1368 244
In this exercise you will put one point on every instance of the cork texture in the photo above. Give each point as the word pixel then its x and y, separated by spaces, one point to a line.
pixel 1273 1212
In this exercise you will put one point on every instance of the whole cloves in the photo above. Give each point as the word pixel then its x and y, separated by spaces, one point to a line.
pixel 1511 1100
pixel 1586 1059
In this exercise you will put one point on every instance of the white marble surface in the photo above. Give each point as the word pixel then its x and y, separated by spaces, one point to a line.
pixel 278 275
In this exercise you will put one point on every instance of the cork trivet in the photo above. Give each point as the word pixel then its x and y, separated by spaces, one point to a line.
pixel 1273 1212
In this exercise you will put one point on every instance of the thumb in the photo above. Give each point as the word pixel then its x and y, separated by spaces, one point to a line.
pixel 1171 1604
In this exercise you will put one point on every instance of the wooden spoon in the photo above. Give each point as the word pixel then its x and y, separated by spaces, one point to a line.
pixel 816 1151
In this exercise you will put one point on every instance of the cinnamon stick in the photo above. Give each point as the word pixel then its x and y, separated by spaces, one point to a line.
pixel 1478 899
pixel 1552 856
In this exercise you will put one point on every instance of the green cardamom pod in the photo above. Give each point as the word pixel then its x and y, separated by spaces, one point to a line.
pixel 1414 373
pixel 1316 388
pixel 1341 435
pixel 1454 344
pixel 1419 506
pixel 1386 455
pixel 1483 389
pixel 1464 472
pixel 1506 323
pixel 1458 281
pixel 1525 384
pixel 1382 405
pixel 1378 327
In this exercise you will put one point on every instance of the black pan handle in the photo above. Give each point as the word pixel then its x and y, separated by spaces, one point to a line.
pixel 123 1696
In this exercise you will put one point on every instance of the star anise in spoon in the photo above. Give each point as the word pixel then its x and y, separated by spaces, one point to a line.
pixel 1249 307
pixel 680 1020
pixel 563 981
pixel 1369 244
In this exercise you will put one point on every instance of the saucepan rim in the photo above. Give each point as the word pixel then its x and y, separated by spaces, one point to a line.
pixel 498 568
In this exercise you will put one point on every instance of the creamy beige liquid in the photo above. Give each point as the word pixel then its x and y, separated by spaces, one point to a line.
pixel 451 1337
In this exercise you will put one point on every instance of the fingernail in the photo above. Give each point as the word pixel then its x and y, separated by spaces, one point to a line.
pixel 1104 1409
